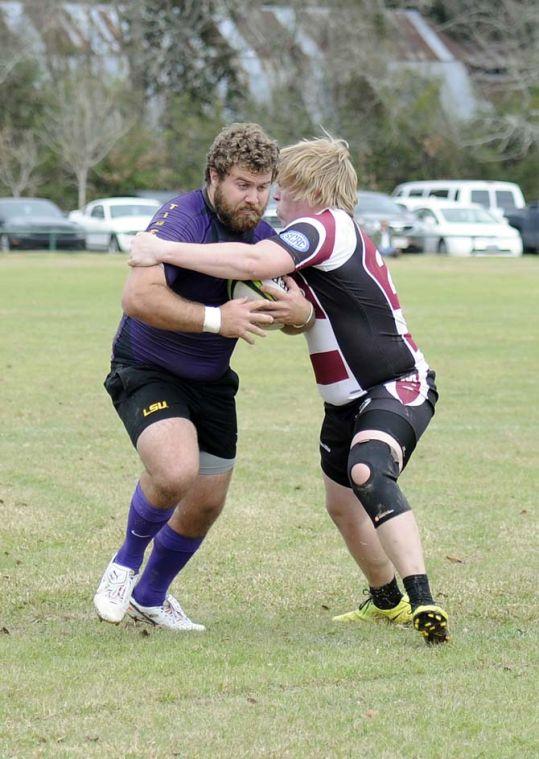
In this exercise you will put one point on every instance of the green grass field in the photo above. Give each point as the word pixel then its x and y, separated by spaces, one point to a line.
pixel 272 676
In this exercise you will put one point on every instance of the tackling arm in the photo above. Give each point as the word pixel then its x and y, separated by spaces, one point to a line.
pixel 230 260
pixel 147 297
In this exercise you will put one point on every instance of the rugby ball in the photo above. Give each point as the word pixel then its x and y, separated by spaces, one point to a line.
pixel 251 289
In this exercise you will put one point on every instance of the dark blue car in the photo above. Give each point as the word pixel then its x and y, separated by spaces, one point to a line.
pixel 37 223
pixel 526 220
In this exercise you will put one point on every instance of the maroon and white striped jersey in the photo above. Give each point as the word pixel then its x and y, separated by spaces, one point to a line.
pixel 360 338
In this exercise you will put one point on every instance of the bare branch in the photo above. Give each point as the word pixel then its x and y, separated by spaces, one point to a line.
pixel 502 46
pixel 84 124
pixel 19 159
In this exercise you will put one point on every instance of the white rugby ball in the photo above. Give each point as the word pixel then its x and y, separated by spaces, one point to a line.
pixel 251 289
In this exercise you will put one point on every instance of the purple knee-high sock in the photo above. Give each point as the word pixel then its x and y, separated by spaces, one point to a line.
pixel 143 523
pixel 171 552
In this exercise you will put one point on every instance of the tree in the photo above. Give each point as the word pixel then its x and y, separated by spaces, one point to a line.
pixel 283 123
pixel 16 45
pixel 185 75
pixel 188 133
pixel 175 47
pixel 391 116
pixel 22 97
pixel 83 122
pixel 12 51
pixel 137 161
pixel 19 158
pixel 502 44
pixel 8 61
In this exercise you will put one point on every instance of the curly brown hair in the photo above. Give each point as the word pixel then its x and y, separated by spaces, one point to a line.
pixel 242 143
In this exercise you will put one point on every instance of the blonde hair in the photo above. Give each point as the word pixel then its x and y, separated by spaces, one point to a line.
pixel 320 172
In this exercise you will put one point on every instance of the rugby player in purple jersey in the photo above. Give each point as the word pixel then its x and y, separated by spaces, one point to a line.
pixel 172 385
pixel 379 391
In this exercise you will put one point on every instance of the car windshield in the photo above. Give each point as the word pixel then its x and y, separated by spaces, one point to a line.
pixel 376 204
pixel 273 219
pixel 467 216
pixel 270 215
pixel 29 207
pixel 133 209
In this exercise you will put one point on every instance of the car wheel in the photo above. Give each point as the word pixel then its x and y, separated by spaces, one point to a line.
pixel 442 248
pixel 4 243
pixel 113 246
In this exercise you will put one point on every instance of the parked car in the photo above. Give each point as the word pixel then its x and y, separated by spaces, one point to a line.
pixel 162 196
pixel 458 229
pixel 500 198
pixel 37 223
pixel 526 220
pixel 375 207
pixel 270 215
pixel 111 223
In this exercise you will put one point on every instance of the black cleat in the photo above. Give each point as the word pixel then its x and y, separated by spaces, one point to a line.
pixel 431 621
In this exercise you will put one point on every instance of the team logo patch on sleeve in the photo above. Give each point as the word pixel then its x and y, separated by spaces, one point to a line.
pixel 296 240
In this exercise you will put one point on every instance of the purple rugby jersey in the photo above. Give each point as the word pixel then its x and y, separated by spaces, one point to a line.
pixel 190 355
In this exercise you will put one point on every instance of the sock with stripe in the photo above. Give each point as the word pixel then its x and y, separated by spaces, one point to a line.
pixel 143 523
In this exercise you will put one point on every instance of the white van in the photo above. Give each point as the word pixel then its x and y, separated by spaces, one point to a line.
pixel 498 197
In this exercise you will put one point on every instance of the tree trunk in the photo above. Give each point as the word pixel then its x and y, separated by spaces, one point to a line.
pixel 82 180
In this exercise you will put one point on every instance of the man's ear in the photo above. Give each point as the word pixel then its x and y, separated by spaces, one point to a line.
pixel 214 177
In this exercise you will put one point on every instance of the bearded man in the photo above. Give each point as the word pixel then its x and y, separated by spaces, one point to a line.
pixel 172 385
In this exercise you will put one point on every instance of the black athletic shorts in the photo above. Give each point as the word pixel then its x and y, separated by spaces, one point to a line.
pixel 143 395
pixel 404 419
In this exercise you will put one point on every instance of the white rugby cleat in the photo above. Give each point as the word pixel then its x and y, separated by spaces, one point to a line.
pixel 170 615
pixel 112 598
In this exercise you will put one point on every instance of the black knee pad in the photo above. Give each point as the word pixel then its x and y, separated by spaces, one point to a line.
pixel 380 496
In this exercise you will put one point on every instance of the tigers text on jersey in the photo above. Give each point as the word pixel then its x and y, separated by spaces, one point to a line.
pixel 190 355
pixel 360 338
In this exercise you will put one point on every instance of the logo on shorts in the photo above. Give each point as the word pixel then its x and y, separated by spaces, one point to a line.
pixel 383 514
pixel 296 240
pixel 159 406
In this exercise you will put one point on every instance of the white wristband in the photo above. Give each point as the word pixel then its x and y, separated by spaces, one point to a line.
pixel 212 320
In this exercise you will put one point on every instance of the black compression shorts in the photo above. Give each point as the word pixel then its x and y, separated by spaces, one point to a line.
pixel 377 410
pixel 143 395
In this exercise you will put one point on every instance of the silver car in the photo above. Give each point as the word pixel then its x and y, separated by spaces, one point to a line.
pixel 373 208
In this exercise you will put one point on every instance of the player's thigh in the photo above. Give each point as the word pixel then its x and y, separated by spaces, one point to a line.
pixel 155 408
pixel 398 413
pixel 169 450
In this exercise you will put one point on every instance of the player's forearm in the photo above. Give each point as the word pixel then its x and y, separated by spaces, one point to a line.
pixel 231 260
pixel 159 307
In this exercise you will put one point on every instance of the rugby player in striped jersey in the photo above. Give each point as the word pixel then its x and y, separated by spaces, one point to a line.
pixel 379 392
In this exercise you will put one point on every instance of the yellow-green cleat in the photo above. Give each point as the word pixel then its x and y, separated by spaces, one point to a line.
pixel 431 621
pixel 401 614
